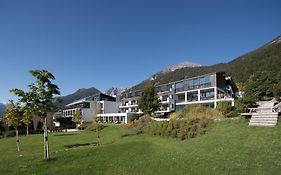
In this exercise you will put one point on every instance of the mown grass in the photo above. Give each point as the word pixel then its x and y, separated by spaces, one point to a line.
pixel 230 147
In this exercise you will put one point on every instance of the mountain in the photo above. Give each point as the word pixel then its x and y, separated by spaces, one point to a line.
pixel 114 91
pixel 81 93
pixel 180 66
pixel 267 57
pixel 172 68
pixel 2 108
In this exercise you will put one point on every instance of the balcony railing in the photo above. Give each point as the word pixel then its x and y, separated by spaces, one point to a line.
pixel 207 98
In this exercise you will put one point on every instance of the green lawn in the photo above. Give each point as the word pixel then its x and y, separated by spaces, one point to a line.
pixel 230 147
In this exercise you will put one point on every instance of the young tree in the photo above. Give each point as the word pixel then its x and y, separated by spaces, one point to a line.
pixel 40 99
pixel 13 117
pixel 77 117
pixel 96 121
pixel 26 119
pixel 149 101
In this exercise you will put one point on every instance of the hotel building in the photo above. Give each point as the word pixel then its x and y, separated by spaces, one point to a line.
pixel 206 90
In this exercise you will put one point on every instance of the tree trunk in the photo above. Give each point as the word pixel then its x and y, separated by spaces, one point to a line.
pixel 98 138
pixel 27 130
pixel 46 143
pixel 17 140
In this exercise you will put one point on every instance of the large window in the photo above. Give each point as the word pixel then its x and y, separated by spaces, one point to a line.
pixel 163 88
pixel 207 95
pixel 179 86
pixel 205 81
pixel 199 82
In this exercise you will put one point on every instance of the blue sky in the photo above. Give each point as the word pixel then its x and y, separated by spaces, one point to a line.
pixel 120 43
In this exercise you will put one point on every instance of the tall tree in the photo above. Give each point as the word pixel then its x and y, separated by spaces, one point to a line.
pixel 149 101
pixel 40 99
pixel 13 117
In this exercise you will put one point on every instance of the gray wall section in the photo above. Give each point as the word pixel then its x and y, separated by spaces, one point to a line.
pixel 220 80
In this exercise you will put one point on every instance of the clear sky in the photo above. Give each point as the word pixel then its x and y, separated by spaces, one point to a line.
pixel 117 43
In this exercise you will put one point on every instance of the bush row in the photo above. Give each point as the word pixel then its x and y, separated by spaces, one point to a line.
pixel 182 129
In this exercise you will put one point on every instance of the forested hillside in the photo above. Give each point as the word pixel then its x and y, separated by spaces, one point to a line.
pixel 267 57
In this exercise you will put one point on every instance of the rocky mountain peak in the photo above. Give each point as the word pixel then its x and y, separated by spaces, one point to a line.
pixel 184 64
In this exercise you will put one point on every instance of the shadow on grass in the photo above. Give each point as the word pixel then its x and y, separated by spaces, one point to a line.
pixel 79 145
pixel 68 134
pixel 128 135
pixel 51 159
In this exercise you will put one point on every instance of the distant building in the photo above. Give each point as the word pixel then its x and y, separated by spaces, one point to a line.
pixel 91 106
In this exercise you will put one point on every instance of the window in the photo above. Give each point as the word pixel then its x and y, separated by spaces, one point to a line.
pixel 192 97
pixel 207 95
pixel 165 98
pixel 205 81
pixel 179 86
pixel 180 98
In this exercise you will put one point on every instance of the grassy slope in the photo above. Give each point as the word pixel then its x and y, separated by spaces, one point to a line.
pixel 231 147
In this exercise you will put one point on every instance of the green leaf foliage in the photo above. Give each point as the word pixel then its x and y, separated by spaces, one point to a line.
pixel 40 99
pixel 13 115
pixel 149 101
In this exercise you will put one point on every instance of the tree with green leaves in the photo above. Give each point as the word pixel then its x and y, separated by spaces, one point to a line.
pixel 40 99
pixel 149 101
pixel 260 85
pixel 13 117
pixel 26 119
pixel 77 117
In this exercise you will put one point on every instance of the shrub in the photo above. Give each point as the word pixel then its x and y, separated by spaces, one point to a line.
pixel 141 124
pixel 199 111
pixel 134 117
pixel 83 126
pixel 173 115
pixel 192 121
pixel 224 107
pixel 94 126
pixel 233 114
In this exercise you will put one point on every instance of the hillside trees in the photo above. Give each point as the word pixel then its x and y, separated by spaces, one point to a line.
pixel 40 99
pixel 262 85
